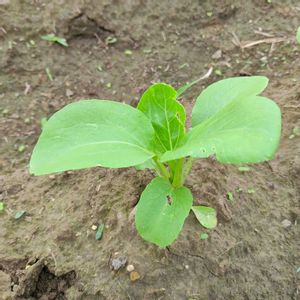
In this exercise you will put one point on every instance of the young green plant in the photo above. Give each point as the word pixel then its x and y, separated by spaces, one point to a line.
pixel 229 121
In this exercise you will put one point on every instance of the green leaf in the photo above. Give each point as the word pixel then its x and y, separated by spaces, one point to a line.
pixel 99 232
pixel 207 216
pixel 167 115
pixel 1 206
pixel 21 148
pixel 245 131
pixel 93 133
pixel 203 236
pixel 298 35
pixel 110 40
pixel 20 214
pixel 219 94
pixel 128 52
pixel 229 196
pixel 188 85
pixel 48 72
pixel 251 191
pixel 296 130
pixel 146 165
pixel 55 39
pixel 161 211
pixel 183 88
pixel 244 169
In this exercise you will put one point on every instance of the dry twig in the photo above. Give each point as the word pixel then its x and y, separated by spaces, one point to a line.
pixel 267 41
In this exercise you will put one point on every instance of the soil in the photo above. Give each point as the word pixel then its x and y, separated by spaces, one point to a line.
pixel 51 251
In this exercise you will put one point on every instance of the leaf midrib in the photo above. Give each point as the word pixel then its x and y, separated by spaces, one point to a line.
pixel 109 142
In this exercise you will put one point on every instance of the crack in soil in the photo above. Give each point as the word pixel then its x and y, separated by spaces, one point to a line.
pixel 34 280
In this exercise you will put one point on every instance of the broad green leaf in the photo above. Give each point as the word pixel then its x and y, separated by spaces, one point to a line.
pixel 245 131
pixel 207 216
pixel 146 165
pixel 219 94
pixel 93 133
pixel 167 115
pixel 161 211
pixel 55 39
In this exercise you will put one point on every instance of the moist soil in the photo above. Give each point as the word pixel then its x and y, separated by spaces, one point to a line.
pixel 51 251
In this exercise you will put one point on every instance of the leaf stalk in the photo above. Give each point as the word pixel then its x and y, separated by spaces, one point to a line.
pixel 161 168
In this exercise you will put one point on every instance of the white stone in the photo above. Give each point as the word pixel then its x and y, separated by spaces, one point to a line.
pixel 130 268
pixel 286 223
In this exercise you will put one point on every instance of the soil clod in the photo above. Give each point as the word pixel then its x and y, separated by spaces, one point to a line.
pixel 134 276
pixel 118 263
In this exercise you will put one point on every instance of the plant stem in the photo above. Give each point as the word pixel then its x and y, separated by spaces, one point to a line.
pixel 178 174
pixel 187 168
pixel 162 170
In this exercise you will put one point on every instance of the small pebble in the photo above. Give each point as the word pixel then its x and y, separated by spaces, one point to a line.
pixel 217 54
pixel 69 93
pixel 118 263
pixel 286 223
pixel 94 227
pixel 130 268
pixel 4 2
pixel 134 276
pixel 15 287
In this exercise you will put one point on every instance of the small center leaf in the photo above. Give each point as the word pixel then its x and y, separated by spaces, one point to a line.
pixel 166 114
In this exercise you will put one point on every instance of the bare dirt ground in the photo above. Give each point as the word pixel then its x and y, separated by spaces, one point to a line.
pixel 51 252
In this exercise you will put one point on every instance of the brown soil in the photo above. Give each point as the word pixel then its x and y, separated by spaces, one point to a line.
pixel 51 252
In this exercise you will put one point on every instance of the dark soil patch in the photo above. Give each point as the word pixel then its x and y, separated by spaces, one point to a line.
pixel 250 255
pixel 50 286
pixel 33 280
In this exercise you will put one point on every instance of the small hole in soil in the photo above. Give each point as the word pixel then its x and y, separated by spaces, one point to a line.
pixel 51 286
pixel 169 199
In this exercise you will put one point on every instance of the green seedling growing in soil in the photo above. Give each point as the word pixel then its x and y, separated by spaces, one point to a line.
pixel 203 236
pixel 55 39
pixel 1 207
pixel 298 35
pixel 229 121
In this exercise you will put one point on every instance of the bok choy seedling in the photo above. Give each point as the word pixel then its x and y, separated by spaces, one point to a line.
pixel 229 120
